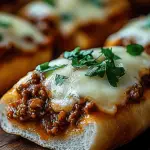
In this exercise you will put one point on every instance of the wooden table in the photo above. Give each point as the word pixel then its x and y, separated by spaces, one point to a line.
pixel 12 142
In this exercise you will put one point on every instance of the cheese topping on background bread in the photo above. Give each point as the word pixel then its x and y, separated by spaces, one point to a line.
pixel 95 88
pixel 72 13
pixel 16 31
pixel 137 30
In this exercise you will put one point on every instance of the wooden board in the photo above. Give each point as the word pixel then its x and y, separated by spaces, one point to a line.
pixel 12 142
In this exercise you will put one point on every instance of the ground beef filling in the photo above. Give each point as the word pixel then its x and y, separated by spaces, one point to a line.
pixel 145 81
pixel 35 105
pixel 134 93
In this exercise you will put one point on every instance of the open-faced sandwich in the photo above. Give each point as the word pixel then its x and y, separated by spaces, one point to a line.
pixel 136 31
pixel 22 47
pixel 96 99
pixel 84 23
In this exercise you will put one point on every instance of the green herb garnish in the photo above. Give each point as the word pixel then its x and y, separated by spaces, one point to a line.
pixel 97 68
pixel 66 17
pixel 1 37
pixel 97 3
pixel 45 67
pixel 60 79
pixel 113 73
pixel 108 67
pixel 80 58
pixel 135 49
pixel 50 2
pixel 4 24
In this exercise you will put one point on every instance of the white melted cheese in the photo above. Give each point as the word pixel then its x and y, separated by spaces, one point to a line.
pixel 17 31
pixel 40 9
pixel 95 88
pixel 81 10
pixel 134 30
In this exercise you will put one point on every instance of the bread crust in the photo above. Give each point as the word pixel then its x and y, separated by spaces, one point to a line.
pixel 12 70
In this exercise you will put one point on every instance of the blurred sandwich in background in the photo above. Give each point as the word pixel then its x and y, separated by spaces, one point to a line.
pixel 137 31
pixel 84 23
pixel 22 47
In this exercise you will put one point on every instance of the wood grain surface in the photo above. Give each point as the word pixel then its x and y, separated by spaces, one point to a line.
pixel 12 142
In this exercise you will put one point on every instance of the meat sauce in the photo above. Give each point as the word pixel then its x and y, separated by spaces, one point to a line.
pixel 35 105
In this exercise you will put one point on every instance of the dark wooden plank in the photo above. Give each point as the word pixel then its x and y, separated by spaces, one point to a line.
pixel 12 142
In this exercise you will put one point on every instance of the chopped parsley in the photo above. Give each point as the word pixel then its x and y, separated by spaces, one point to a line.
pixel 108 67
pixel 80 58
pixel 97 68
pixel 135 49
pixel 4 24
pixel 97 3
pixel 50 2
pixel 45 67
pixel 1 37
pixel 60 79
pixel 66 17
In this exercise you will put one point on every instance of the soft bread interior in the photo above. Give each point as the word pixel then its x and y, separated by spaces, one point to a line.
pixel 75 142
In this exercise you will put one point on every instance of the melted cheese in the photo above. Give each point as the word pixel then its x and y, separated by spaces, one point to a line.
pixel 17 31
pixel 134 30
pixel 95 88
pixel 81 11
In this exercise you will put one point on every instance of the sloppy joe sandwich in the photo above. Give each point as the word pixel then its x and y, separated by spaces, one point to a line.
pixel 136 31
pixel 84 23
pixel 22 47
pixel 96 99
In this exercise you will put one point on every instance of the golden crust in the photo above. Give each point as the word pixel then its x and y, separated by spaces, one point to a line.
pixel 12 70
pixel 129 122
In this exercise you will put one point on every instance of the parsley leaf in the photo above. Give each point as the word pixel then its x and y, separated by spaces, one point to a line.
pixel 97 70
pixel 135 49
pixel 4 24
pixel 60 79
pixel 113 73
pixel 107 67
pixel 66 17
pixel 80 58
pixel 71 55
pixel 109 54
pixel 1 37
pixel 45 67
pixel 97 3
pixel 50 2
